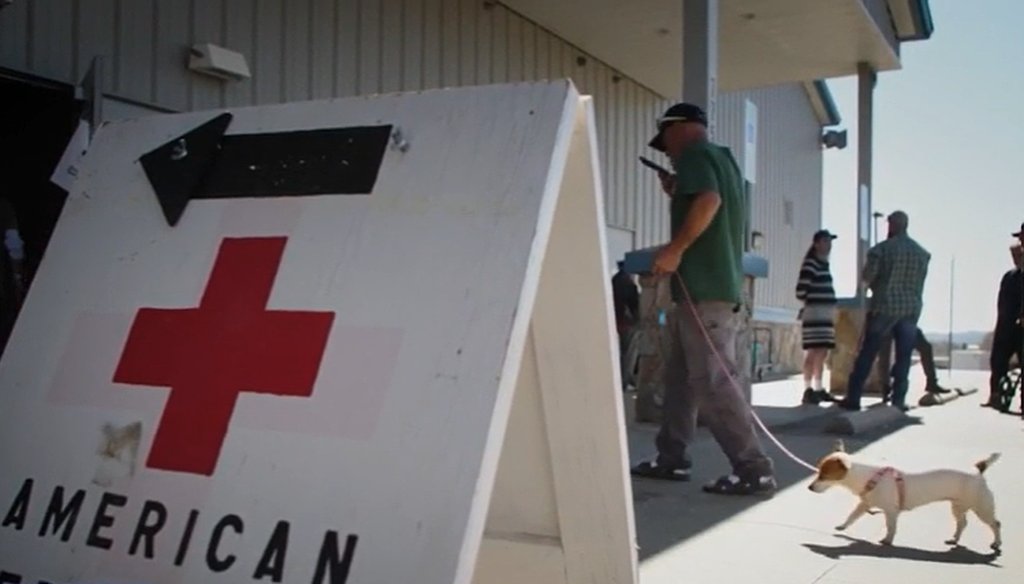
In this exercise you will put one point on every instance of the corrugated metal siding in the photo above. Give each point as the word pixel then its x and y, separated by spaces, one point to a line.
pixel 309 49
pixel 789 169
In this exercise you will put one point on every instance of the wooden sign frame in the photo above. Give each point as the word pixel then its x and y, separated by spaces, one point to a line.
pixel 437 400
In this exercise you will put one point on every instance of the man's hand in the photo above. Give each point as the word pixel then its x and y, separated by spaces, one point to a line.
pixel 668 183
pixel 666 261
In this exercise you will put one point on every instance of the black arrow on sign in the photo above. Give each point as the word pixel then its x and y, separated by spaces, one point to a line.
pixel 206 163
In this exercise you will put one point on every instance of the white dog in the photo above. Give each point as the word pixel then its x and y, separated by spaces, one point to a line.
pixel 892 492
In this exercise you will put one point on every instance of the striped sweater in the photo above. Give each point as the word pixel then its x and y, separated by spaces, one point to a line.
pixel 815 284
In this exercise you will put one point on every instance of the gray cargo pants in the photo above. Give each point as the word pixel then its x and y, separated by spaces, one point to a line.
pixel 696 381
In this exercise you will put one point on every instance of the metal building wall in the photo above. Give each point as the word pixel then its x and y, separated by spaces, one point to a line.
pixel 786 199
pixel 312 49
pixel 309 49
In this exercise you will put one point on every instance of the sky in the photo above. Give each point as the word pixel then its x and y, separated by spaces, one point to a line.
pixel 949 150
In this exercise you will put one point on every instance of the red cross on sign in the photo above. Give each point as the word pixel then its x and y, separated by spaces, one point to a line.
pixel 229 344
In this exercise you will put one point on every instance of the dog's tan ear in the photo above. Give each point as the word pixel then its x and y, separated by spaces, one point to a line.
pixel 844 459
pixel 839 446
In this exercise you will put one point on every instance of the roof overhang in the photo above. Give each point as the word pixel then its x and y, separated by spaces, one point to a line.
pixel 823 103
pixel 760 43
pixel 912 19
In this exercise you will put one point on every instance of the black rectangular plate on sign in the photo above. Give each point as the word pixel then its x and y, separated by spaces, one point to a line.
pixel 204 163
pixel 292 164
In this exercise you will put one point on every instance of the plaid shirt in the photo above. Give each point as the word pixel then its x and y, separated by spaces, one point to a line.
pixel 895 273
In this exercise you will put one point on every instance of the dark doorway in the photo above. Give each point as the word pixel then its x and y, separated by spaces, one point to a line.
pixel 37 120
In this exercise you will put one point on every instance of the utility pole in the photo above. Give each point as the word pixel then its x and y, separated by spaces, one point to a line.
pixel 952 279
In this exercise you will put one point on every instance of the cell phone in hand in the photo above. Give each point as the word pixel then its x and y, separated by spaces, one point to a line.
pixel 654 166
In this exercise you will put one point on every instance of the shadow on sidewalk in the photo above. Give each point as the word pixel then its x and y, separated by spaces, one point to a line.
pixel 669 513
pixel 864 548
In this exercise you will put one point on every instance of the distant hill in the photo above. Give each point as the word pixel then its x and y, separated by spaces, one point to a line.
pixel 959 337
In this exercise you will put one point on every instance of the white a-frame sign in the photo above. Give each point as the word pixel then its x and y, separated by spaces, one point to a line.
pixel 364 340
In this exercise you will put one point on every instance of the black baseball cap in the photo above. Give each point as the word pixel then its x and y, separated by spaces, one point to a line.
pixel 1019 232
pixel 680 112
pixel 824 234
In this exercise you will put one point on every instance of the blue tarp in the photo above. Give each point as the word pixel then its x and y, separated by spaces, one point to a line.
pixel 639 262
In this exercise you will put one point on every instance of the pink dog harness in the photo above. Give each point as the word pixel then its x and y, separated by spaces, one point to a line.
pixel 881 474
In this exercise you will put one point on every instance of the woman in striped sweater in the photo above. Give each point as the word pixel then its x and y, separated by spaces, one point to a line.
pixel 818 316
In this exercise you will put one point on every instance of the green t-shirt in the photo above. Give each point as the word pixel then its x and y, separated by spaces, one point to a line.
pixel 712 268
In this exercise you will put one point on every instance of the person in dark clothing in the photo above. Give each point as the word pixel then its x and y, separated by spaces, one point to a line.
pixel 11 259
pixel 1007 339
pixel 927 353
pixel 626 300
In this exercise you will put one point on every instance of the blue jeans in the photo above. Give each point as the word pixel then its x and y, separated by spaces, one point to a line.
pixel 877 327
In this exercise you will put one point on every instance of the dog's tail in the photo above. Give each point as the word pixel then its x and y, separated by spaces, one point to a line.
pixel 983 465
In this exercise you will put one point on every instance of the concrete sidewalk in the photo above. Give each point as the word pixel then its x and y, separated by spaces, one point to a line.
pixel 686 536
pixel 776 402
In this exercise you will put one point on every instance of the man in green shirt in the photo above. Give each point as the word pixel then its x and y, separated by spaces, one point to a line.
pixel 704 264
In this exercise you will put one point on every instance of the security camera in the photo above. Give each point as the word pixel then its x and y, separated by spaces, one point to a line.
pixel 218 62
pixel 834 139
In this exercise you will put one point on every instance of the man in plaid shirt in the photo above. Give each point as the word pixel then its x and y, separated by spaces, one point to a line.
pixel 895 274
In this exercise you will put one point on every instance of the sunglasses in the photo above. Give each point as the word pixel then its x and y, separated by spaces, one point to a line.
pixel 668 121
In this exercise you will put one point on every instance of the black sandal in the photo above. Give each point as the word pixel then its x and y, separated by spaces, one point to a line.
pixel 734 485
pixel 652 470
